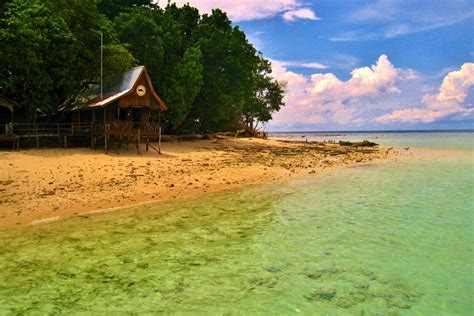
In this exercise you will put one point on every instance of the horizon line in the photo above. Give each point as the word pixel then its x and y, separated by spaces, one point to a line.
pixel 380 131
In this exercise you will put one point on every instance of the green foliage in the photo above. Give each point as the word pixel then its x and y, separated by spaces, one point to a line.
pixel 50 53
pixel 38 56
pixel 267 99
pixel 203 67
pixel 140 33
pixel 112 8
pixel 117 59
pixel 85 21
pixel 183 86
pixel 229 62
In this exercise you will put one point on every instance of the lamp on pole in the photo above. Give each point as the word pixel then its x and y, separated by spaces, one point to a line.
pixel 101 61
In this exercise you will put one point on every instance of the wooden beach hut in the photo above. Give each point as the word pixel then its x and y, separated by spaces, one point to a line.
pixel 123 113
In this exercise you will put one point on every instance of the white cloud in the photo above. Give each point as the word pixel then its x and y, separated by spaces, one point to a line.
pixel 456 84
pixel 299 14
pixel 246 10
pixel 390 19
pixel 325 99
pixel 300 64
pixel 451 99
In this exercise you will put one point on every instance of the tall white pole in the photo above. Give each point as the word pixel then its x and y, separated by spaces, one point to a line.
pixel 101 61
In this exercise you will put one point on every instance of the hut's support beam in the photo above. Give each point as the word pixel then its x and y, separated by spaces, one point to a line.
pixel 92 135
pixel 138 141
pixel 106 134
pixel 159 140
pixel 106 141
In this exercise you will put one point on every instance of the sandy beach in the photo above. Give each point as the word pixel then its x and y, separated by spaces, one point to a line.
pixel 42 184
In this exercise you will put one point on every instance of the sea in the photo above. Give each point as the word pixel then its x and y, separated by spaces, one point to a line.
pixel 395 238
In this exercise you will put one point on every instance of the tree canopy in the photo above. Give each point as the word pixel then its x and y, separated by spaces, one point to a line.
pixel 204 68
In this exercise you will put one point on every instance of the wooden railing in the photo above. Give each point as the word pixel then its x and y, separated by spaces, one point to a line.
pixel 126 131
pixel 45 129
pixel 123 130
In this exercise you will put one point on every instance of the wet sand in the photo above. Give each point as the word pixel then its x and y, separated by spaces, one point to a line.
pixel 42 184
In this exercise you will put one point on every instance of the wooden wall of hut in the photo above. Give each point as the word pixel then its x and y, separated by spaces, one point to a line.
pixel 133 99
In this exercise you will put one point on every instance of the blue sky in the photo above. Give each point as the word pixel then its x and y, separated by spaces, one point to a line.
pixel 362 65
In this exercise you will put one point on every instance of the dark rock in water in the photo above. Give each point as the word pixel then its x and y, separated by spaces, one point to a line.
pixel 272 269
pixel 365 143
pixel 263 281
pixel 322 294
pixel 399 302
pixel 142 265
pixel 127 260
pixel 313 275
pixel 350 299
pixel 362 286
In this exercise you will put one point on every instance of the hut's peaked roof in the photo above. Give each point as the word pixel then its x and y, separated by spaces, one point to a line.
pixel 113 91
pixel 121 87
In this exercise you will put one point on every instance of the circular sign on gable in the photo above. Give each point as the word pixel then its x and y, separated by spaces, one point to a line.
pixel 141 90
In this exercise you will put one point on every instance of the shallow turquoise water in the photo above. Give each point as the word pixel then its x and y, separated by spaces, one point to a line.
pixel 376 240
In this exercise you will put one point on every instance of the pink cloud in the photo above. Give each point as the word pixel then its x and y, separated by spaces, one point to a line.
pixel 450 100
pixel 325 98
pixel 245 10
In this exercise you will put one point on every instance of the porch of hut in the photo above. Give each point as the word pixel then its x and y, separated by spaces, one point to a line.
pixel 125 113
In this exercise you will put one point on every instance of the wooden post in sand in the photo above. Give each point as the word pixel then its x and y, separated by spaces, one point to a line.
pixel 106 139
pixel 37 136
pixel 106 133
pixel 159 140
pixel 138 141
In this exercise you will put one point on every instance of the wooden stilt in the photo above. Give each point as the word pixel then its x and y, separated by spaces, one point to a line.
pixel 106 141
pixel 37 138
pixel 92 136
pixel 138 141
pixel 159 140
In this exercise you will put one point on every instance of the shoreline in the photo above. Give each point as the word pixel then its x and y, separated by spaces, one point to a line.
pixel 43 185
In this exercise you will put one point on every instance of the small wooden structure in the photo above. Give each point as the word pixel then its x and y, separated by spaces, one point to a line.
pixel 7 108
pixel 124 112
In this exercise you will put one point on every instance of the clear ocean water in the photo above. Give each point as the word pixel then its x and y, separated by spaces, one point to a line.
pixel 389 239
